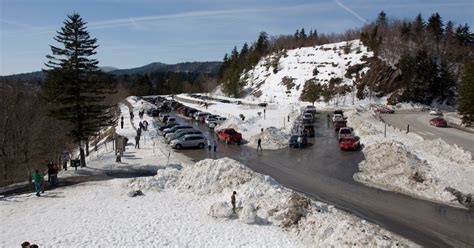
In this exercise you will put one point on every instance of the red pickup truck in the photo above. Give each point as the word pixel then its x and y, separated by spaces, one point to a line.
pixel 229 135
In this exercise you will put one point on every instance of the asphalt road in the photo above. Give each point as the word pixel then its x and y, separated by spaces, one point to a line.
pixel 419 124
pixel 324 173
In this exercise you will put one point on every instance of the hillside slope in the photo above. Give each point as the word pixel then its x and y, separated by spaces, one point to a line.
pixel 280 77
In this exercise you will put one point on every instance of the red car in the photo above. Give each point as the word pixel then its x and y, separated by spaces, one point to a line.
pixel 349 143
pixel 385 111
pixel 339 124
pixel 229 135
pixel 438 122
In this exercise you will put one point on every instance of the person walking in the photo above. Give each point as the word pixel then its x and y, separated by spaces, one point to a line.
pixel 259 144
pixel 137 142
pixel 209 145
pixel 215 146
pixel 37 178
pixel 131 115
pixel 232 201
pixel 140 125
pixel 121 122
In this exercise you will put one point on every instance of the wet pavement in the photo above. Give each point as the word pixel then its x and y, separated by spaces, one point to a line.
pixel 324 173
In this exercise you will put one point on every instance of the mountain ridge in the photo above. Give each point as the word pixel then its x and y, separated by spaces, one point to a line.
pixel 209 67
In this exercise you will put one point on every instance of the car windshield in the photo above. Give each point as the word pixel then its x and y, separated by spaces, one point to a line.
pixel 345 131
pixel 230 131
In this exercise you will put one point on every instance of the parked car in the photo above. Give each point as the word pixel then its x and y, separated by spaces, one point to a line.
pixel 384 110
pixel 339 124
pixel 339 112
pixel 190 140
pixel 162 128
pixel 438 122
pixel 175 128
pixel 201 116
pixel 298 141
pixel 349 143
pixel 229 135
pixel 210 118
pixel 337 117
pixel 170 120
pixel 344 132
pixel 190 112
pixel 219 120
pixel 310 109
pixel 435 112
pixel 308 118
pixel 309 130
pixel 180 133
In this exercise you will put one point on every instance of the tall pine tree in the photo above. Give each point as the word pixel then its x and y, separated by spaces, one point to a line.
pixel 466 94
pixel 74 86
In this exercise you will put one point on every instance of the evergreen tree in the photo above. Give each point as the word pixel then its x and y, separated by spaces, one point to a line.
pixel 74 85
pixel 435 26
pixel 311 91
pixel 466 94
pixel 262 43
pixel 382 19
pixel 464 36
pixel 302 34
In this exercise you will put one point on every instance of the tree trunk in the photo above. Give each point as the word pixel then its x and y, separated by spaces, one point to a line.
pixel 82 156
pixel 87 147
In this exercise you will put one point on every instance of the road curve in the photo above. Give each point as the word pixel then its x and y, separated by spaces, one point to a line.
pixel 419 124
pixel 324 173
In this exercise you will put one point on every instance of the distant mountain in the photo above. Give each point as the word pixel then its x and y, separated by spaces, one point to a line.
pixel 196 67
pixel 108 68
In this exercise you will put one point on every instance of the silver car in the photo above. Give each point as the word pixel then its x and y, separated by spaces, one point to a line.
pixel 180 133
pixel 190 140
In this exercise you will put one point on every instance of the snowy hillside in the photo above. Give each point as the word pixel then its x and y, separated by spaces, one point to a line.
pixel 280 77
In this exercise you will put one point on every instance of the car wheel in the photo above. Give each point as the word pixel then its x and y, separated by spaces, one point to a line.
pixel 201 145
pixel 178 146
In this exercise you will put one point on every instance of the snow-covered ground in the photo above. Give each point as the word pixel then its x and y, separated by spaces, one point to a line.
pixel 392 162
pixel 330 60
pixel 185 204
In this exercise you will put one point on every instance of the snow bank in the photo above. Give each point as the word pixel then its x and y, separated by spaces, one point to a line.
pixel 262 201
pixel 409 164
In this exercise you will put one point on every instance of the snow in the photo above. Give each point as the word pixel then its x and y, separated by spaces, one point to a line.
pixel 391 162
pixel 184 204
pixel 329 59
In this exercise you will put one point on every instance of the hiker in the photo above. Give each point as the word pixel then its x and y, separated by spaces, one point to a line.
pixel 121 122
pixel 139 131
pixel 288 118
pixel 259 144
pixel 209 144
pixel 54 176
pixel 37 178
pixel 66 158
pixel 137 141
pixel 131 115
pixel 145 125
pixel 50 172
pixel 232 201
pixel 140 125
pixel 215 146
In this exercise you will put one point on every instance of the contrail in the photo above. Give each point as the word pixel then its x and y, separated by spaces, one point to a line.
pixel 350 11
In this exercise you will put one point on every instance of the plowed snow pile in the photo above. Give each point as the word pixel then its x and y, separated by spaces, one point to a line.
pixel 262 201
pixel 409 164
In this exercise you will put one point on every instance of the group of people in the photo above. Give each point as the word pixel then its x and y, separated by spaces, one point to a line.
pixel 38 180
pixel 211 144
pixel 141 126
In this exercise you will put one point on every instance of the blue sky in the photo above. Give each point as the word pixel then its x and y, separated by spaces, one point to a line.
pixel 133 33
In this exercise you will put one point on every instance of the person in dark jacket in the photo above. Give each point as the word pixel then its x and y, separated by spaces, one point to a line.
pixel 232 200
pixel 137 141
pixel 121 122
pixel 259 144
pixel 37 179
